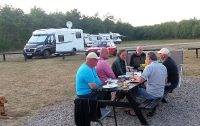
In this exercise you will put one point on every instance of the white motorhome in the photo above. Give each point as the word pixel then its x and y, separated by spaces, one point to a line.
pixel 105 36
pixel 69 40
pixel 115 37
pixel 87 40
pixel 45 42
pixel 95 38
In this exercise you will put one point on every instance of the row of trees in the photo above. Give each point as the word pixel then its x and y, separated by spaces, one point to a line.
pixel 16 27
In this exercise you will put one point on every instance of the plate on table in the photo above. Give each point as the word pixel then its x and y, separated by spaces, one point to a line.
pixel 112 80
pixel 112 85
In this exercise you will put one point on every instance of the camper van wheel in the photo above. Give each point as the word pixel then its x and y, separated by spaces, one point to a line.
pixel 46 54
pixel 73 51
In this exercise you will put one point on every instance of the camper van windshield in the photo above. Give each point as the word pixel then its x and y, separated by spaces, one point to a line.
pixel 37 38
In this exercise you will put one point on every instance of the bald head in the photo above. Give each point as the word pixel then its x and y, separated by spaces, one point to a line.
pixel 139 50
pixel 104 53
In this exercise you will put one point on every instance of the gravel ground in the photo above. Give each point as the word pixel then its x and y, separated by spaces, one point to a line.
pixel 182 109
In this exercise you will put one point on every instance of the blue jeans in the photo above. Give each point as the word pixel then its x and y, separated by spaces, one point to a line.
pixel 141 92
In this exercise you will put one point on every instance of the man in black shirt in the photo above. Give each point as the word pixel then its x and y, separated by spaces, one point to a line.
pixel 172 69
pixel 137 58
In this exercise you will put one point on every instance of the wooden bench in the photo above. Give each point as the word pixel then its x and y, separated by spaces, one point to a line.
pixel 149 105
pixel 152 104
pixel 196 51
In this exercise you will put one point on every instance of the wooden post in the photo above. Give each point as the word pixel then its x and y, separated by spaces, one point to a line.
pixel 196 53
pixel 63 56
pixel 25 57
pixel 4 57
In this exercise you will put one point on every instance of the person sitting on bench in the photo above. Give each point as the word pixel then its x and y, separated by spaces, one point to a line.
pixel 119 68
pixel 87 78
pixel 155 74
pixel 137 58
pixel 172 69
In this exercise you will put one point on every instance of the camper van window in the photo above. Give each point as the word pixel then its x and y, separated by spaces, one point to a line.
pixel 78 35
pixel 50 39
pixel 99 38
pixel 61 38
pixel 37 38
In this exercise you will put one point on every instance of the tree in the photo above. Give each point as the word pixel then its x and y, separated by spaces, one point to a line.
pixel 12 28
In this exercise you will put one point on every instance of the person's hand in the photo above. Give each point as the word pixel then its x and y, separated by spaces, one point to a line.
pixel 137 78
pixel 93 85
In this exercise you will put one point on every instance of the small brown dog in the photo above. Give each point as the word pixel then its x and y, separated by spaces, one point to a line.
pixel 3 114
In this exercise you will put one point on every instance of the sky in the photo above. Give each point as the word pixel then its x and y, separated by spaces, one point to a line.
pixel 135 12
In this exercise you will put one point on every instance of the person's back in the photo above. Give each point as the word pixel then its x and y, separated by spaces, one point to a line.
pixel 156 79
pixel 87 78
pixel 104 70
pixel 85 73
pixel 155 74
pixel 172 70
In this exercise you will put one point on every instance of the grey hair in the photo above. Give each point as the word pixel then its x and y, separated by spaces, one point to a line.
pixel 152 56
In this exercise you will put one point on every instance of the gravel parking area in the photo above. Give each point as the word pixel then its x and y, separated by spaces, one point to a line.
pixel 182 109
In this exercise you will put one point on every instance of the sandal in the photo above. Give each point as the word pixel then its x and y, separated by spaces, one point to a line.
pixel 130 112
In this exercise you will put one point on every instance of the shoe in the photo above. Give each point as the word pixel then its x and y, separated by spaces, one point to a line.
pixel 130 112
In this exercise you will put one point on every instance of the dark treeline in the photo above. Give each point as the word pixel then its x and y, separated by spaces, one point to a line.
pixel 16 27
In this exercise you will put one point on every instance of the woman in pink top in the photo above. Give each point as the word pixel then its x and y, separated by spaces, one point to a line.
pixel 103 68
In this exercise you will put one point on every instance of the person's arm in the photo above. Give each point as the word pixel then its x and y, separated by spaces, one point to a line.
pixel 108 71
pixel 92 85
pixel 141 80
pixel 90 79
pixel 145 75
pixel 119 68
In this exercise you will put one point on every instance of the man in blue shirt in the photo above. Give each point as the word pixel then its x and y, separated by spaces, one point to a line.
pixel 87 78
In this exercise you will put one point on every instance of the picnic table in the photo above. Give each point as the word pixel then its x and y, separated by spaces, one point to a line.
pixel 196 51
pixel 129 95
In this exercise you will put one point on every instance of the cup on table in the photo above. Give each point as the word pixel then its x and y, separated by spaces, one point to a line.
pixel 108 80
pixel 129 68
pixel 124 85
pixel 122 78
pixel 142 66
